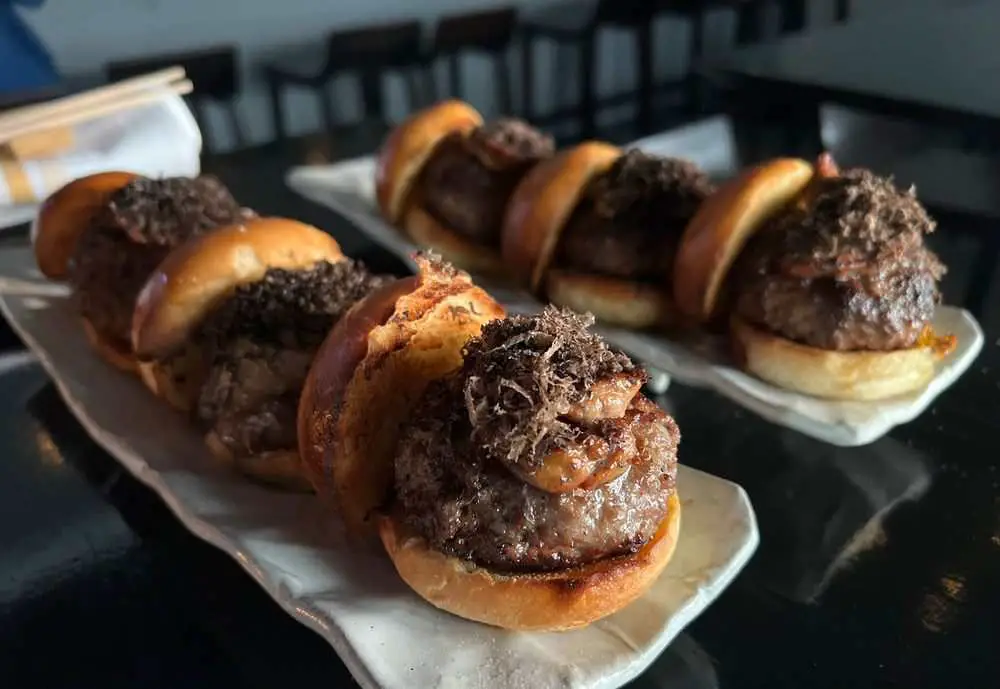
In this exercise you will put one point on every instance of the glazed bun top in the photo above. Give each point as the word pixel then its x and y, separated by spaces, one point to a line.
pixel 65 214
pixel 194 278
pixel 722 226
pixel 543 203
pixel 408 147
pixel 367 374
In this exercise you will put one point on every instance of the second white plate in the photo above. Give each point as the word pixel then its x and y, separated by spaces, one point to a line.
pixel 348 187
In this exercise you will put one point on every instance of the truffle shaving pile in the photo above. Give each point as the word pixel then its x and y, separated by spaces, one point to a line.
pixel 650 189
pixel 524 373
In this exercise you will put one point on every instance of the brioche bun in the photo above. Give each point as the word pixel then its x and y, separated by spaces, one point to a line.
pixel 368 374
pixel 277 468
pixel 829 374
pixel 542 204
pixel 195 278
pixel 721 227
pixel 114 354
pixel 426 231
pixel 410 145
pixel 621 302
pixel 550 601
pixel 65 214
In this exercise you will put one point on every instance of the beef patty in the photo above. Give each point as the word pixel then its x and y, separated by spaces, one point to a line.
pixel 468 180
pixel 629 223
pixel 142 222
pixel 261 343
pixel 460 474
pixel 848 272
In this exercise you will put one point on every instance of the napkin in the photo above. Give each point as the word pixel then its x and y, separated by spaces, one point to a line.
pixel 156 140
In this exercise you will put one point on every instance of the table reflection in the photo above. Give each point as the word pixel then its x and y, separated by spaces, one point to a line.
pixel 826 507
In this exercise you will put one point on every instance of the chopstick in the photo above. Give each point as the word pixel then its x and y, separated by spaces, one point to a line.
pixel 98 102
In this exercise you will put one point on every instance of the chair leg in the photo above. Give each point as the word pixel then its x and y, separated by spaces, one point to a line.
pixel 527 75
pixel 201 117
pixel 454 76
pixel 239 133
pixel 749 23
pixel 588 105
pixel 501 72
pixel 563 88
pixel 277 111
pixel 694 95
pixel 371 95
pixel 413 90
pixel 644 63
pixel 793 15
pixel 326 107
pixel 428 74
pixel 842 10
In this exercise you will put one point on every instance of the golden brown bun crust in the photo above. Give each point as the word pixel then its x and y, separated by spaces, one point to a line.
pixel 542 204
pixel 197 275
pixel 720 229
pixel 113 354
pixel 369 373
pixel 66 213
pixel 531 602
pixel 335 364
pixel 616 302
pixel 427 232
pixel 860 376
pixel 408 147
pixel 276 469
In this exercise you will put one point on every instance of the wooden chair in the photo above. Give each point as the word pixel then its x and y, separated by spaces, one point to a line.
pixel 368 53
pixel 577 26
pixel 490 33
pixel 216 78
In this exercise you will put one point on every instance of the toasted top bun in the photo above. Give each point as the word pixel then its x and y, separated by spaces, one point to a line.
pixel 196 276
pixel 369 373
pixel 549 601
pixel 65 214
pixel 410 145
pixel 720 229
pixel 542 204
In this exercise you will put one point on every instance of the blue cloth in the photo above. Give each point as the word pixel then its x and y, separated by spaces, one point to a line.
pixel 25 64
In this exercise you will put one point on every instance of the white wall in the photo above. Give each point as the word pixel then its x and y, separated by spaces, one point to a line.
pixel 85 34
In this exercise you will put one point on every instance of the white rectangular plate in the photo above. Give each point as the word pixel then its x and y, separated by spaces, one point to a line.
pixel 384 633
pixel 348 188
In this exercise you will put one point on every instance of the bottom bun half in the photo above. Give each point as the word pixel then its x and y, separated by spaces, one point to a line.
pixel 116 355
pixel 277 468
pixel 550 601
pixel 427 232
pixel 855 375
pixel 613 301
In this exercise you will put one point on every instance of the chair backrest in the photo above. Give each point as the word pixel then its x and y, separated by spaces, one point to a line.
pixel 710 144
pixel 396 45
pixel 487 31
pixel 213 71
pixel 628 12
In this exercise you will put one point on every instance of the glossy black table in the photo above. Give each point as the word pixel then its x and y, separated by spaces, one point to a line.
pixel 877 566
